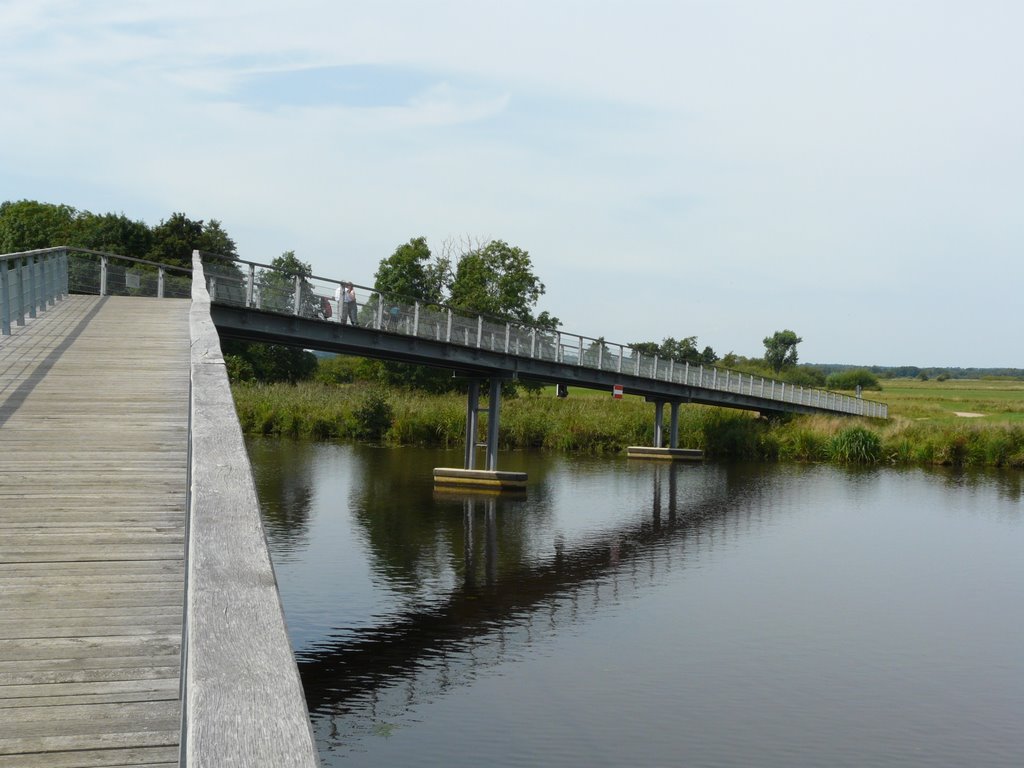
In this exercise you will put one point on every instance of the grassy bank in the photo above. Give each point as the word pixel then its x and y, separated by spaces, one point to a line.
pixel 926 424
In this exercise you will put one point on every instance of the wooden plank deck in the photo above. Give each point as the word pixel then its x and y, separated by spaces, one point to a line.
pixel 94 400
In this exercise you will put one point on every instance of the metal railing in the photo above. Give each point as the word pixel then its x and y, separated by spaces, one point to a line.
pixel 32 281
pixel 264 287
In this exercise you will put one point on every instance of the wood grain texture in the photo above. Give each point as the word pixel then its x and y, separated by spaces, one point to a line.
pixel 93 480
pixel 244 704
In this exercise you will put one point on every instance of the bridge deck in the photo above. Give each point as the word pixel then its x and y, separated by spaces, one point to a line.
pixel 93 443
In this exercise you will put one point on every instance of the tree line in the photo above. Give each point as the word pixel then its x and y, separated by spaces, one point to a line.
pixel 490 277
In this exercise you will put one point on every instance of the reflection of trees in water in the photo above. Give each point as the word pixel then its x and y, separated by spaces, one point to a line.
pixel 417 539
pixel 282 472
pixel 501 607
pixel 1009 483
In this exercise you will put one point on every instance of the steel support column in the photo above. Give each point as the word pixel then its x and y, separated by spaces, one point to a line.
pixel 472 414
pixel 659 411
pixel 673 432
pixel 493 412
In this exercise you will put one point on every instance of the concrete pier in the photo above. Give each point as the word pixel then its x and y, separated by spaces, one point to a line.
pixel 664 454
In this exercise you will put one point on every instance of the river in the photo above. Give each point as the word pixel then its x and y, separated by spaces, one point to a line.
pixel 625 613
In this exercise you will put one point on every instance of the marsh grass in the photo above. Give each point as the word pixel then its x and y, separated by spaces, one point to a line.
pixel 923 428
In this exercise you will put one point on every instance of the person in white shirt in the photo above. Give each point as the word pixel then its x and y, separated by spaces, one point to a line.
pixel 348 303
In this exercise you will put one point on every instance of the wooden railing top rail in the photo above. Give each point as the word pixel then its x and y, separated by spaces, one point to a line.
pixel 242 699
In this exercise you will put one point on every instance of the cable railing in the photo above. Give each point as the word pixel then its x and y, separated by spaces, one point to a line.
pixel 270 289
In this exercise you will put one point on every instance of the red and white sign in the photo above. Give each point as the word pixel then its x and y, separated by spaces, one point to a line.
pixel 617 391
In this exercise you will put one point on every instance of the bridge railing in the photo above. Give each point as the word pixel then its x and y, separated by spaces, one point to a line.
pixel 264 287
pixel 32 281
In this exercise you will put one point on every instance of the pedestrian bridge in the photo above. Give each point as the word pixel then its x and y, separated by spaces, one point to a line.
pixel 139 616
pixel 258 303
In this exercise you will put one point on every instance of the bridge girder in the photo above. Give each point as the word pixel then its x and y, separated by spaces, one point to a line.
pixel 250 325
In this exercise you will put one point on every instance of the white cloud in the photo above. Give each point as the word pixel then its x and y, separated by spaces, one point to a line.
pixel 851 171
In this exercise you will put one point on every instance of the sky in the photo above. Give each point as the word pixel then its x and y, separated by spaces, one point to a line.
pixel 851 170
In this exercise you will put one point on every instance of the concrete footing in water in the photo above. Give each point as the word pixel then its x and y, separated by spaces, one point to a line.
pixel 664 454
pixel 450 477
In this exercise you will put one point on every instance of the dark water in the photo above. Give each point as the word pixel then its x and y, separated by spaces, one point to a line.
pixel 628 614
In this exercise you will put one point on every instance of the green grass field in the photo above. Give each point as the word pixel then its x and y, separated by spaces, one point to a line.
pixel 999 401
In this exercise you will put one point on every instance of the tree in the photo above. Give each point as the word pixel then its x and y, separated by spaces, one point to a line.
pixel 780 349
pixel 496 280
pixel 681 350
pixel 267 363
pixel 26 225
pixel 277 286
pixel 276 362
pixel 409 272
pixel 113 233
pixel 176 238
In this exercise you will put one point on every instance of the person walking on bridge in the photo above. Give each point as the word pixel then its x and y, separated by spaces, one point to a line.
pixel 348 303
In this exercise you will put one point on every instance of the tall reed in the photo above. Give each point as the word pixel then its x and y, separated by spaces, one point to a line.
pixel 325 411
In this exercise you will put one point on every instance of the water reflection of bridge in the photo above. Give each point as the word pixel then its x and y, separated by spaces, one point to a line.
pixel 376 674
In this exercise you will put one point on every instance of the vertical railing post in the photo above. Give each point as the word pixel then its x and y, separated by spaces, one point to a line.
pixel 19 292
pixel 686 373
pixel 655 376
pixel 53 283
pixel 533 342
pixel 416 319
pixel 448 335
pixel 559 357
pixel 298 295
pixel 5 300
pixel 621 353
pixel 45 271
pixel 508 333
pixel 160 283
pixel 40 288
pixel 30 266
pixel 378 316
pixel 671 367
pixel 62 275
pixel 251 288
pixel 579 351
pixel 636 364
pixel 714 378
pixel 479 330
pixel 103 275
pixel 600 356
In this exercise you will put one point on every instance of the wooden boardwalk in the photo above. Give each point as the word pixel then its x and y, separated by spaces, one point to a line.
pixel 94 400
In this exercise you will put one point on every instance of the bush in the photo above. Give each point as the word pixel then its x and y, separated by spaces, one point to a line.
pixel 374 416
pixel 239 369
pixel 804 376
pixel 850 380
pixel 855 445
pixel 339 369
